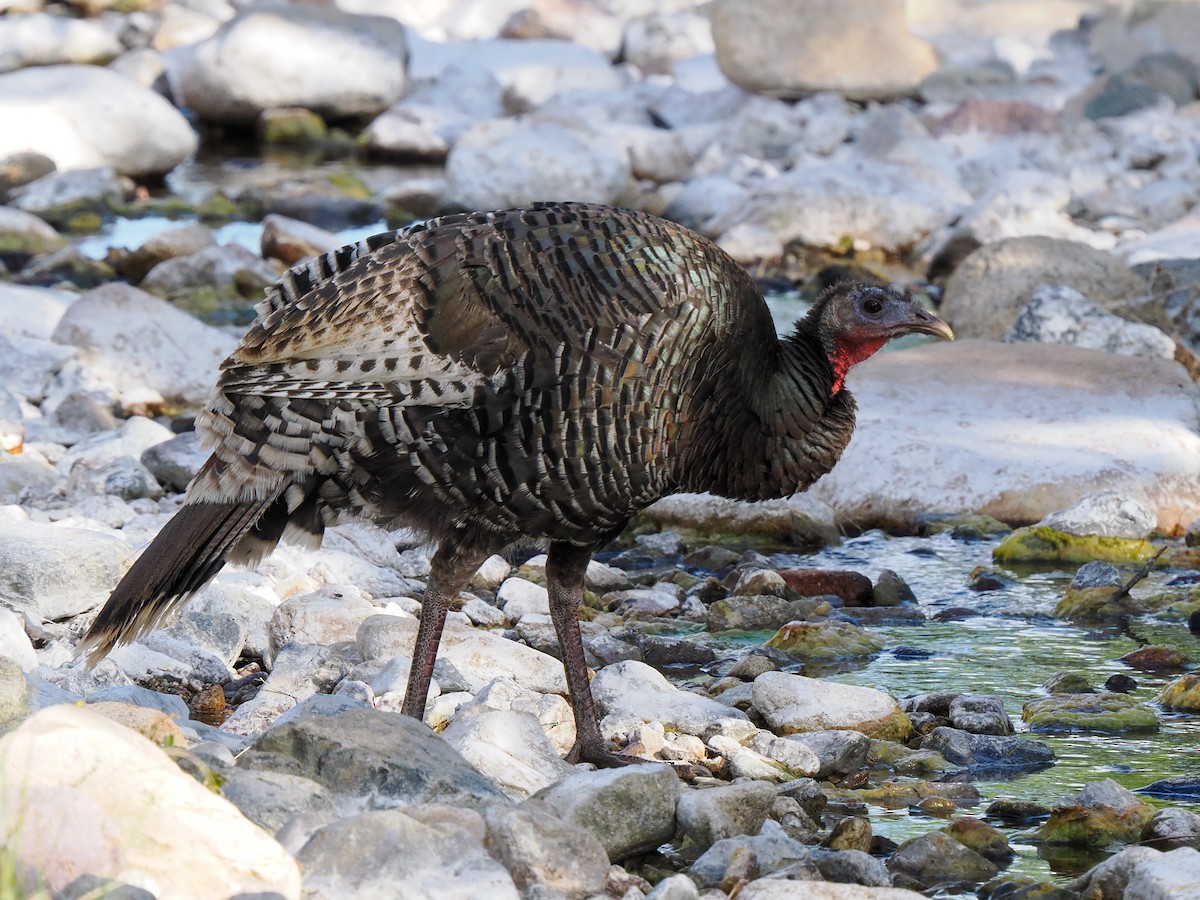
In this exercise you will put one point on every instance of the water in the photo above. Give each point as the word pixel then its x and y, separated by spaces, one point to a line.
pixel 1009 652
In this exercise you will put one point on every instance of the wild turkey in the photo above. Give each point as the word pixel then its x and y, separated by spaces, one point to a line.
pixel 487 378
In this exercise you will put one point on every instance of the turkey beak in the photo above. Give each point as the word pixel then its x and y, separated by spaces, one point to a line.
pixel 924 322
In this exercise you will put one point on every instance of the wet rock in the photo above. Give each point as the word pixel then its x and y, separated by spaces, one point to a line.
pixel 326 616
pixel 791 56
pixel 1039 543
pixel 1017 811
pixel 1156 658
pixel 510 162
pixel 633 692
pixel 749 855
pixel 366 755
pixel 508 747
pixel 1069 682
pixel 979 715
pixel 1111 877
pixel 1108 713
pixel 792 703
pixel 803 889
pixel 937 859
pixel 989 289
pixel 271 799
pixel 800 519
pixel 291 241
pixel 854 588
pixel 540 850
pixel 988 842
pixel 824 641
pixel 891 590
pixel 441 855
pixel 62 198
pixel 80 768
pixel 175 462
pixel 1106 513
pixel 757 613
pixel 985 753
pixel 479 655
pixel 1103 812
pixel 751 666
pixel 838 752
pixel 177 356
pixel 1057 314
pixel 141 133
pixel 1120 684
pixel 1182 694
pixel 711 814
pixel 223 80
pixel 56 573
pixel 1173 828
pixel 40 39
pixel 630 809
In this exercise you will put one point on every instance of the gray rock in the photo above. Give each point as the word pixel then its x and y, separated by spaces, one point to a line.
pixel 1110 878
pixel 365 756
pixel 59 195
pixel 393 853
pixel 299 672
pixel 247 597
pixel 325 616
pixel 712 814
pixel 124 477
pixel 140 134
pixel 839 752
pixel 675 887
pixel 540 849
pixel 779 49
pixel 174 242
pixel 136 695
pixel 771 849
pixel 221 267
pixel 630 809
pixel 57 573
pixel 1120 97
pixel 1171 876
pixel 175 462
pixel 271 799
pixel 936 858
pixel 851 867
pixel 1172 828
pixel 512 162
pixel 1106 513
pixel 221 634
pixel 291 241
pixel 980 714
pixel 1057 314
pixel 980 752
pixel 508 747
pixel 86 886
pixel 1096 574
pixel 14 692
pixel 632 691
pixel 990 287
pixel 223 78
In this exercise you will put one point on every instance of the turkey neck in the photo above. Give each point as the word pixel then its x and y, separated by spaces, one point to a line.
pixel 776 424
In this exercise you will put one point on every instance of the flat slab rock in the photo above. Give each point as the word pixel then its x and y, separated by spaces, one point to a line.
pixel 1016 432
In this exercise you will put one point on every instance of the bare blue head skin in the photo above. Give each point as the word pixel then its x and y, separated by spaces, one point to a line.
pixel 855 320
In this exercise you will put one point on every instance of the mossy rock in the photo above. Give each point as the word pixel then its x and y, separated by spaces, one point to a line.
pixel 1108 713
pixel 964 526
pixel 1182 694
pixel 900 794
pixel 1037 543
pixel 978 835
pixel 1096 825
pixel 1092 604
pixel 825 641
pixel 1069 683
pixel 291 127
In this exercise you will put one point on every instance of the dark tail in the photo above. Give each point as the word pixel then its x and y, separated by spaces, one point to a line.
pixel 190 549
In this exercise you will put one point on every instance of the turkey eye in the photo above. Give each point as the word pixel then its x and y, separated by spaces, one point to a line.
pixel 872 306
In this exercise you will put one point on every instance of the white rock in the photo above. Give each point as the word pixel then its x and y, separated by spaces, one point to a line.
pixel 14 642
pixel 84 187
pixel 552 711
pixel 1017 431
pixel 802 518
pixel 797 757
pixel 28 475
pixel 301 670
pixel 491 574
pixel 139 132
pixel 136 435
pixel 326 616
pixel 325 60
pixel 1057 314
pixel 173 353
pixel 31 311
pixel 632 692
pixel 655 42
pixel 1106 513
pixel 166 831
pixel 1174 875
pixel 778 889
pixel 214 266
pixel 335 567
pixel 513 162
pixel 1174 241
pixel 28 366
pixel 480 656
pixel 521 597
pixel 507 746
pixel 40 39
pixel 861 48
pixel 484 614
pixel 875 202
pixel 58 572
pixel 793 703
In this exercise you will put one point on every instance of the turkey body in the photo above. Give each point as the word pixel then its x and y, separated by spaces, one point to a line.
pixel 487 378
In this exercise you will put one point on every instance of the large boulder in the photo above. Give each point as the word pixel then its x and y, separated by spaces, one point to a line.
pixel 861 48
pixel 334 63
pixel 1016 431
pixel 990 288
pixel 86 117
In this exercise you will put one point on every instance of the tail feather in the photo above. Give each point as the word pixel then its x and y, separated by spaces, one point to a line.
pixel 188 551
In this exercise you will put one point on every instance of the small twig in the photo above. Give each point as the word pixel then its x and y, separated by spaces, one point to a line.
pixel 1141 573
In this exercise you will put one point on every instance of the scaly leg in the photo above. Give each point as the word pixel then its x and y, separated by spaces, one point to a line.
pixel 565 565
pixel 450 569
